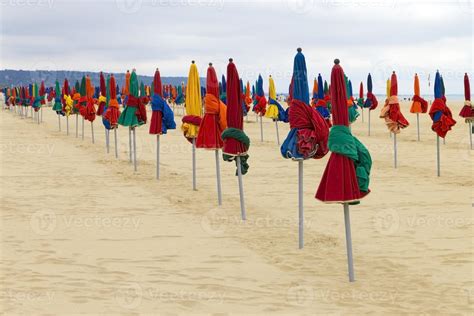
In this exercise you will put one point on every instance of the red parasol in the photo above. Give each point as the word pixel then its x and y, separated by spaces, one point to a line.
pixel 214 121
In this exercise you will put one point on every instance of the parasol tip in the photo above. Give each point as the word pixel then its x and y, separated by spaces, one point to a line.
pixel 337 61
pixel 231 60
pixel 192 61
pixel 299 50
pixel 157 69
pixel 393 72
pixel 210 64
pixel 416 74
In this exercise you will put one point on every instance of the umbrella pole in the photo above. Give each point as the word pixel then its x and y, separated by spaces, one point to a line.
pixel 41 114
pixel 218 176
pixel 278 134
pixel 362 110
pixel 350 263
pixel 437 156
pixel 158 156
pixel 470 133
pixel 300 205
pixel 261 129
pixel 83 128
pixel 130 142
pixel 77 124
pixel 418 125
pixel 194 165
pixel 134 149
pixel 67 125
pixel 107 139
pixel 92 131
pixel 395 150
pixel 115 139
pixel 241 189
pixel 59 122
pixel 444 140
pixel 369 122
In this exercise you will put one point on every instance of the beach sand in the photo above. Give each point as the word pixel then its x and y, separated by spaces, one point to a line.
pixel 83 233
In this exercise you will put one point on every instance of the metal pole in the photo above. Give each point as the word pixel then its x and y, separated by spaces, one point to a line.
pixel 470 133
pixel 241 189
pixel 395 150
pixel 369 122
pixel 362 115
pixel 278 134
pixel 350 263
pixel 130 142
pixel 194 164
pixel 158 156
pixel 438 156
pixel 82 128
pixel 41 114
pixel 115 139
pixel 218 175
pixel 67 125
pixel 418 125
pixel 134 149
pixel 107 139
pixel 261 129
pixel 77 124
pixel 300 206
pixel 92 130
pixel 59 122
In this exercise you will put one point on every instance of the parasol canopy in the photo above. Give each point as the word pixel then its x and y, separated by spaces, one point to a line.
pixel 57 106
pixel 223 95
pixel 112 113
pixel 309 131
pixel 236 142
pixel 103 94
pixel 162 118
pixel 371 101
pixel 346 177
pixel 391 113
pixel 192 119
pixel 260 103
pixel 274 111
pixel 439 112
pixel 322 102
pixel 419 104
pixel 214 121
pixel 134 113
pixel 467 110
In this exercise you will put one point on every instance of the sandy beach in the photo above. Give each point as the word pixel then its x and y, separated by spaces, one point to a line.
pixel 83 233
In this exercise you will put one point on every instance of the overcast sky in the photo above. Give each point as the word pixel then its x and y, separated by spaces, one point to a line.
pixel 262 36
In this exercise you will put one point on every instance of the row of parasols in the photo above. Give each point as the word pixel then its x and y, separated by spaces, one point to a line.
pixel 317 126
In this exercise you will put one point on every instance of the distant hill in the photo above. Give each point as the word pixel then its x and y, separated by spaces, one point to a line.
pixel 10 78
